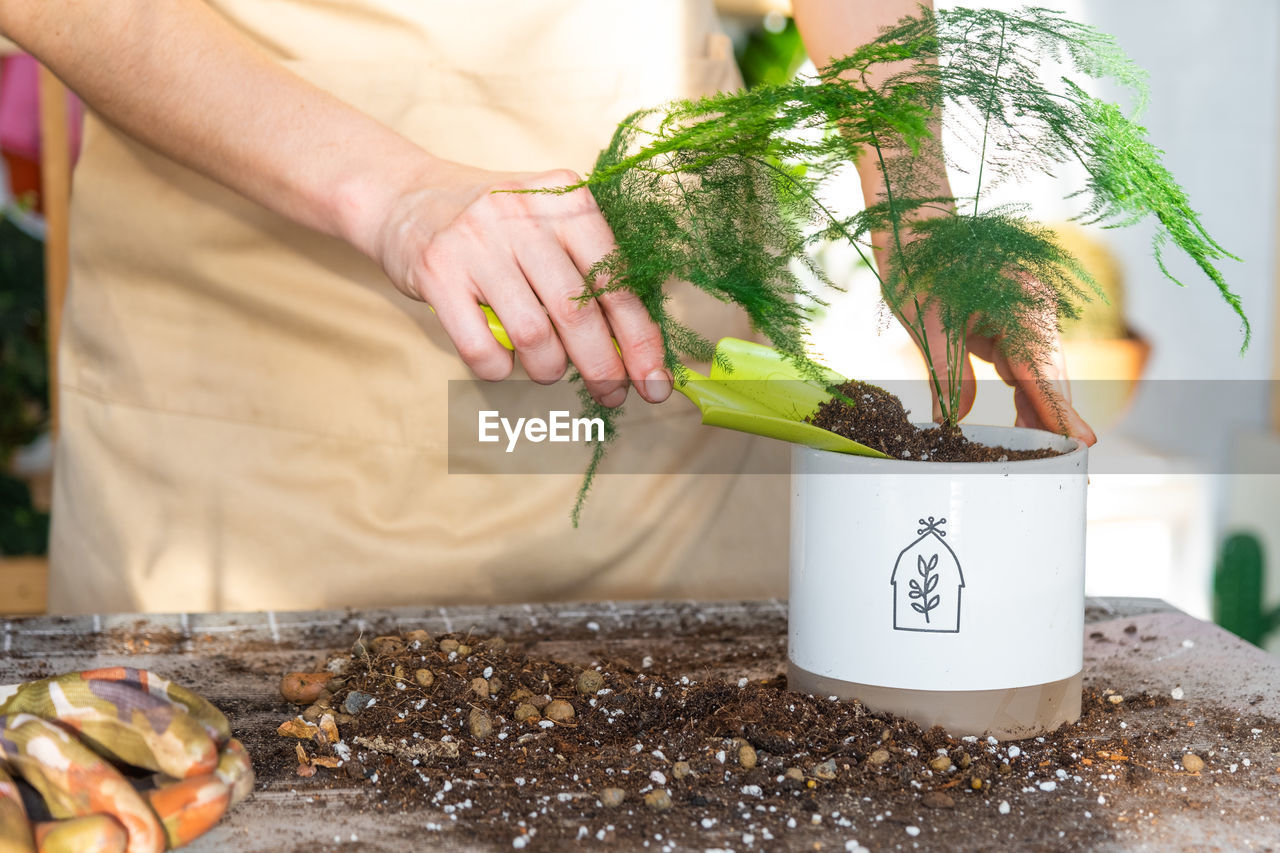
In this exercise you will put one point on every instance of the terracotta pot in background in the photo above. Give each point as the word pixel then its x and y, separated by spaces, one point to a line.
pixel 1104 376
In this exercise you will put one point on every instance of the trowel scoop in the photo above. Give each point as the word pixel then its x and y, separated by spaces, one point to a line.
pixel 752 388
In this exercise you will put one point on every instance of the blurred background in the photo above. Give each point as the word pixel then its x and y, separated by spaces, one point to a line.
pixel 1181 414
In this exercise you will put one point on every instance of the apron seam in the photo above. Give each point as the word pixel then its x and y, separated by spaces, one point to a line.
pixel 159 410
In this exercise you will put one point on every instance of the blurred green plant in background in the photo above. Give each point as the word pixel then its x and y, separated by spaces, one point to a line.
pixel 1238 592
pixel 771 55
pixel 24 382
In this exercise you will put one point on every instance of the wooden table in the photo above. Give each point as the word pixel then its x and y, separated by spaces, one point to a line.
pixel 236 661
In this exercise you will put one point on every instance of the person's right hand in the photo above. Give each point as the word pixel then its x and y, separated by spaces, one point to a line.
pixel 459 240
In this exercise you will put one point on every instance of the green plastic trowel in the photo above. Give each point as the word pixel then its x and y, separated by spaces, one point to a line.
pixel 763 394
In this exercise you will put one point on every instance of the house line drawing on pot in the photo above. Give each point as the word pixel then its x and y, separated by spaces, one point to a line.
pixel 927 583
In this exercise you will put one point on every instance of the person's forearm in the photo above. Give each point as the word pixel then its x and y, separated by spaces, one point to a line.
pixel 835 28
pixel 181 79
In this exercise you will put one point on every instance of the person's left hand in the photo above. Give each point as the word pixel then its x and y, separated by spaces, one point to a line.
pixel 62 734
pixel 1040 402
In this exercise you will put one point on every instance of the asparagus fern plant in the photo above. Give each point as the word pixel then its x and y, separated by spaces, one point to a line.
pixel 726 192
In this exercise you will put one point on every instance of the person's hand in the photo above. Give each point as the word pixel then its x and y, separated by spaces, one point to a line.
pixel 460 240
pixel 62 735
pixel 1038 404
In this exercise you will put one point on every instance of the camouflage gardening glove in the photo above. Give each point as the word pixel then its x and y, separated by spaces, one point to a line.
pixel 65 736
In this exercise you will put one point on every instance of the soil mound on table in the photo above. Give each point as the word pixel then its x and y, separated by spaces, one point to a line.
pixel 532 751
pixel 878 420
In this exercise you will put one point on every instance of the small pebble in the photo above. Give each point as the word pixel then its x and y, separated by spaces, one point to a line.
pixel 424 677
pixel 525 712
pixel 559 711
pixel 937 800
pixel 747 756
pixel 357 702
pixel 520 695
pixel 386 645
pixel 794 774
pixel 495 644
pixel 1115 698
pixel 941 764
pixel 681 769
pixel 418 636
pixel 826 770
pixel 448 644
pixel 880 756
pixel 1192 762
pixel 1004 807
pixel 316 711
pixel 658 800
pixel 479 724
pixel 1176 693
pixel 338 665
pixel 589 682
pixel 480 687
pixel 463 650
pixel 303 688
pixel 611 798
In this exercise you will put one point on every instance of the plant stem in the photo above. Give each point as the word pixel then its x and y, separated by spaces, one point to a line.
pixel 918 334
pixel 831 217
pixel 921 334
pixel 986 118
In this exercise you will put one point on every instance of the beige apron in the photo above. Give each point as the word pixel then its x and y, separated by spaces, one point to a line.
pixel 253 418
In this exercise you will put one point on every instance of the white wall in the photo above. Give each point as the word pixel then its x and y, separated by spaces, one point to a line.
pixel 1213 109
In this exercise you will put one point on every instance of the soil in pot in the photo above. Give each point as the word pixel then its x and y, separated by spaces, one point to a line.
pixel 880 421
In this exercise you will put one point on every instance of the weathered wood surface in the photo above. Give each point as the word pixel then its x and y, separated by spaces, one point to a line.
pixel 236 661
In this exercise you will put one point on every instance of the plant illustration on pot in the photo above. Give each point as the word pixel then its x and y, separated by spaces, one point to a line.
pixel 927 583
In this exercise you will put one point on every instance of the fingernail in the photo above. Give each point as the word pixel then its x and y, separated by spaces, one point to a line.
pixel 615 397
pixel 657 385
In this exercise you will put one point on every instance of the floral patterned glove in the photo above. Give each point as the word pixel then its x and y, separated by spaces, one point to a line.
pixel 65 735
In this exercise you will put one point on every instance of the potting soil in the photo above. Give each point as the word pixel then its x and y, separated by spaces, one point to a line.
pixel 880 421
pixel 527 751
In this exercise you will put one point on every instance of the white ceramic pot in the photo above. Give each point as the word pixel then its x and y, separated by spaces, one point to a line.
pixel 948 593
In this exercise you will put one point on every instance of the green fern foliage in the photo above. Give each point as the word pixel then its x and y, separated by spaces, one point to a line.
pixel 726 192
